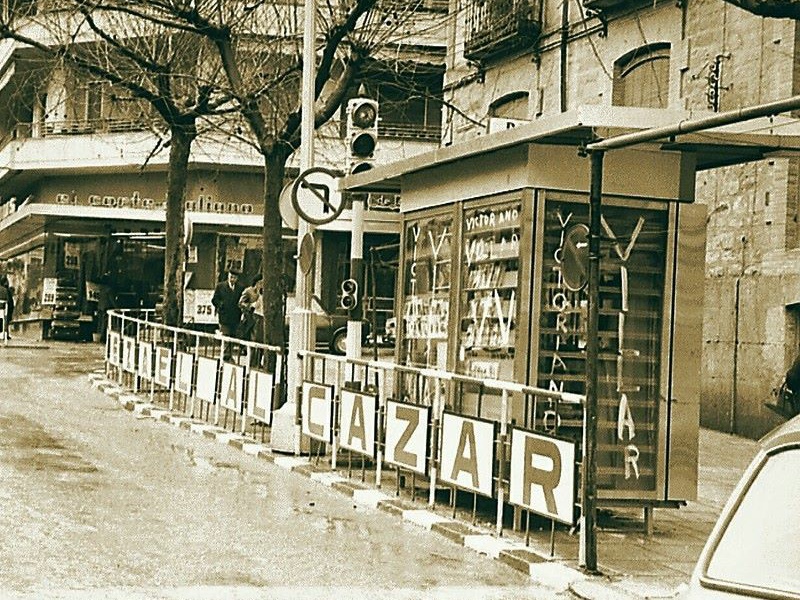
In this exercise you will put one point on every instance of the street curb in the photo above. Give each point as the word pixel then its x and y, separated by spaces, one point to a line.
pixel 548 572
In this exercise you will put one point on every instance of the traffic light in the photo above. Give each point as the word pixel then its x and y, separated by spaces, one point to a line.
pixel 362 133
pixel 349 294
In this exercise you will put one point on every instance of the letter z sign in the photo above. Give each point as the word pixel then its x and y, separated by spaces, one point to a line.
pixel 407 436
pixel 543 475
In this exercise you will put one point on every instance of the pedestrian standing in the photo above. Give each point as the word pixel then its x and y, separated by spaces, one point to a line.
pixel 251 304
pixel 6 304
pixel 226 301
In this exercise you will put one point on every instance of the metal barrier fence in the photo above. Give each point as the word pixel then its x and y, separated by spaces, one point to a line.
pixel 3 321
pixel 206 376
pixel 494 439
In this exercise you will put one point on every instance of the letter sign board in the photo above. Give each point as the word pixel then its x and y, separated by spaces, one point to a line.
pixel 232 392
pixel 259 395
pixel 206 389
pixel 467 453
pixel 113 350
pixel 129 354
pixel 163 366
pixel 357 422
pixel 543 475
pixel 183 372
pixel 145 366
pixel 316 411
pixel 407 436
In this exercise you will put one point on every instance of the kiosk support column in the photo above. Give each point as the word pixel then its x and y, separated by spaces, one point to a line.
pixel 588 534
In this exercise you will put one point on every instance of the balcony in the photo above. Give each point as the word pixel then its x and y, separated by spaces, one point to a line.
pixel 77 127
pixel 497 27
pixel 608 6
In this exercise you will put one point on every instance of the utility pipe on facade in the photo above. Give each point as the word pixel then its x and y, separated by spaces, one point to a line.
pixel 596 150
pixel 301 332
pixel 564 55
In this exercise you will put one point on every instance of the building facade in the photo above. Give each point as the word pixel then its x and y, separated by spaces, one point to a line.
pixel 83 176
pixel 547 57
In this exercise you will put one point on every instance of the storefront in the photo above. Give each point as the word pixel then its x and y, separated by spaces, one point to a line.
pixel 493 283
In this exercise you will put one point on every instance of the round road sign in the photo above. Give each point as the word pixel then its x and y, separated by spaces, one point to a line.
pixel 316 196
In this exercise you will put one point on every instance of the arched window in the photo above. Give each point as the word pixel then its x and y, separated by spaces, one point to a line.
pixel 641 77
pixel 510 106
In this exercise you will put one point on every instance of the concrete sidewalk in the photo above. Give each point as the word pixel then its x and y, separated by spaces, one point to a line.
pixel 633 564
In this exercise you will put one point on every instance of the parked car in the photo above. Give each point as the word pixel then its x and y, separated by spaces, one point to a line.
pixel 754 549
pixel 332 331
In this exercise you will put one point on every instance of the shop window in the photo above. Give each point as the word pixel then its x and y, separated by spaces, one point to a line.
pixel 426 307
pixel 632 272
pixel 641 77
pixel 489 291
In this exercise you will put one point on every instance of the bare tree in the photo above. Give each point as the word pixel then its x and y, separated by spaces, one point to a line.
pixel 259 47
pixel 172 70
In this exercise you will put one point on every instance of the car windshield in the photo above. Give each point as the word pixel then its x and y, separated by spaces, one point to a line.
pixel 760 547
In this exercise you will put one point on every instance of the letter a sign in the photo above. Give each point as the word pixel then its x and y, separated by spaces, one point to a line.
pixel 467 457
pixel 543 475
pixel 357 422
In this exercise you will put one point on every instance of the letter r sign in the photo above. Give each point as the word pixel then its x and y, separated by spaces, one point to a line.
pixel 543 475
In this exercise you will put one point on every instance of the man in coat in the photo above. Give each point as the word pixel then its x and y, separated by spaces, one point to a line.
pixel 226 301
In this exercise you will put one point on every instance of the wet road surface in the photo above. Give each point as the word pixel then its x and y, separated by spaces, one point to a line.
pixel 95 503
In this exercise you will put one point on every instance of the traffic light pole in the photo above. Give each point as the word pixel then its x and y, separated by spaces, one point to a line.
pixel 354 324
pixel 286 435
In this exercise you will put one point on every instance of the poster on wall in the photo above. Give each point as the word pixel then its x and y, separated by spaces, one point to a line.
pixel 49 286
pixel 72 255
pixel 234 257
pixel 197 307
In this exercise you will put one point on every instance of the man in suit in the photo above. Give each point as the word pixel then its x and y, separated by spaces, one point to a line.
pixel 226 301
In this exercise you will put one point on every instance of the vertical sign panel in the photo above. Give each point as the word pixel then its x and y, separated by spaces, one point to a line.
pixel 163 373
pixel 632 283
pixel 114 348
pixel 543 475
pixel 407 436
pixel 259 395
pixel 358 416
pixel 467 453
pixel 206 389
pixel 317 411
pixel 231 393
pixel 184 366
pixel 129 354
pixel 145 365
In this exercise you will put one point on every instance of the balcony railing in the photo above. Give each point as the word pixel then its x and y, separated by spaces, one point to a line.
pixel 495 27
pixel 77 127
pixel 410 131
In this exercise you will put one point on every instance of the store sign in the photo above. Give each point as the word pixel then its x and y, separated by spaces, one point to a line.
pixel 232 391
pixel 542 477
pixel 206 388
pixel 72 255
pixel 407 436
pixel 357 422
pixel 234 257
pixel 317 411
pixel 203 203
pixel 259 395
pixel 467 453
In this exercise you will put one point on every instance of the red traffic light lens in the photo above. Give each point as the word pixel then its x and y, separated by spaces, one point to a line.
pixel 365 115
pixel 363 144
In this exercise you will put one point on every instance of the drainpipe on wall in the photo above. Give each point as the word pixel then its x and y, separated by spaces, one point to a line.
pixel 734 389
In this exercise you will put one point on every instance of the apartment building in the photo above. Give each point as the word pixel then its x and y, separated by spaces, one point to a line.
pixel 83 175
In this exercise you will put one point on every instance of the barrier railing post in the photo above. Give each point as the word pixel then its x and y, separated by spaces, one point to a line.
pixel 379 428
pixel 121 333
pixel 151 366
pixel 337 401
pixel 219 375
pixel 135 369
pixel 501 459
pixel 173 367
pixel 434 440
pixel 196 358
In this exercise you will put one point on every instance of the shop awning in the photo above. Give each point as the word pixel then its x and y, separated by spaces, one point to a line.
pixel 718 147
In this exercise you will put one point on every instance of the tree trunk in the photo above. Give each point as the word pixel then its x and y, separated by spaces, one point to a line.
pixel 174 254
pixel 272 265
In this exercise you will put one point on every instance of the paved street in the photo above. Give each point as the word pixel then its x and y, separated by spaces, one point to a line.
pixel 98 504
